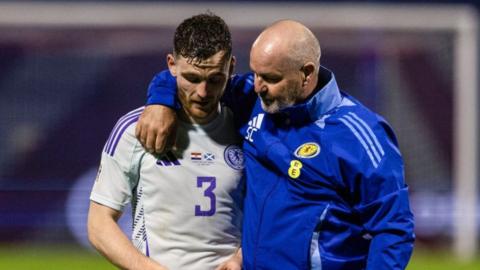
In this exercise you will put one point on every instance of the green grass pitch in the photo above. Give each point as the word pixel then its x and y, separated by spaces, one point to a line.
pixel 74 258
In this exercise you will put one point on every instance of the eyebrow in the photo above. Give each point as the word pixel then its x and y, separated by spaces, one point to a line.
pixel 192 73
pixel 270 73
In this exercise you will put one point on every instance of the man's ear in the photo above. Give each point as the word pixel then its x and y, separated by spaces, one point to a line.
pixel 231 69
pixel 308 73
pixel 171 64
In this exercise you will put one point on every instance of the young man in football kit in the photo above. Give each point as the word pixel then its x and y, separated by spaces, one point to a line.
pixel 186 202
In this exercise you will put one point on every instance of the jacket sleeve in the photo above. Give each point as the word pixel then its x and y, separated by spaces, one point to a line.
pixel 373 170
pixel 240 97
pixel 239 94
pixel 163 90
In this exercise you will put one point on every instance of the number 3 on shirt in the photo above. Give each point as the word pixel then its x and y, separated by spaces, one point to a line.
pixel 212 183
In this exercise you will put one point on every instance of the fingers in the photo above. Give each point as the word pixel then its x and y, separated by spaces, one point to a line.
pixel 150 140
pixel 156 128
pixel 145 133
pixel 229 266
pixel 172 138
pixel 159 144
pixel 138 129
pixel 143 140
pixel 141 130
pixel 221 267
pixel 166 140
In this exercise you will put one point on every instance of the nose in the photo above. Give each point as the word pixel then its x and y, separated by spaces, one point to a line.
pixel 202 89
pixel 259 84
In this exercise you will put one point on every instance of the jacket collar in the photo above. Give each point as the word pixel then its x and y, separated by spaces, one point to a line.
pixel 326 97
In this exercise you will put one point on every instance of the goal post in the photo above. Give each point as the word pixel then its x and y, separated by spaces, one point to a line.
pixel 466 135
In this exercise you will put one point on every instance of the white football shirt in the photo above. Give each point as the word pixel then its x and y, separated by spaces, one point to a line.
pixel 186 203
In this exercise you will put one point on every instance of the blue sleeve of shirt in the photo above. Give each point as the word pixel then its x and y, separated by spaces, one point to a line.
pixel 381 199
pixel 239 94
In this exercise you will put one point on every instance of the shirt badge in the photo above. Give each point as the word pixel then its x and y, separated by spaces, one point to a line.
pixel 233 156
pixel 307 150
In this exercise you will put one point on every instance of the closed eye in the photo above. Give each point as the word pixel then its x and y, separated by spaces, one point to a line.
pixel 271 78
pixel 220 78
pixel 192 78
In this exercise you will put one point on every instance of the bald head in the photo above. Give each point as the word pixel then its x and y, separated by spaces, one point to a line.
pixel 285 59
pixel 291 41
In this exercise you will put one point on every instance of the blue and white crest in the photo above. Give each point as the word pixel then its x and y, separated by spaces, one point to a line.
pixel 233 155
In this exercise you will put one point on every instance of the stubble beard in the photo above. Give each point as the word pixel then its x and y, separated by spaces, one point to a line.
pixel 276 105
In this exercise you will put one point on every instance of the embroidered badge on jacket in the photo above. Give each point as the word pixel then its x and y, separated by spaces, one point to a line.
pixel 307 150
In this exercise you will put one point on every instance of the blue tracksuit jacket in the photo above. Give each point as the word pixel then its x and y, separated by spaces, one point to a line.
pixel 325 181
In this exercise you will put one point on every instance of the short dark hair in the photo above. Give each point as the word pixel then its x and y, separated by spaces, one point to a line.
pixel 201 36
